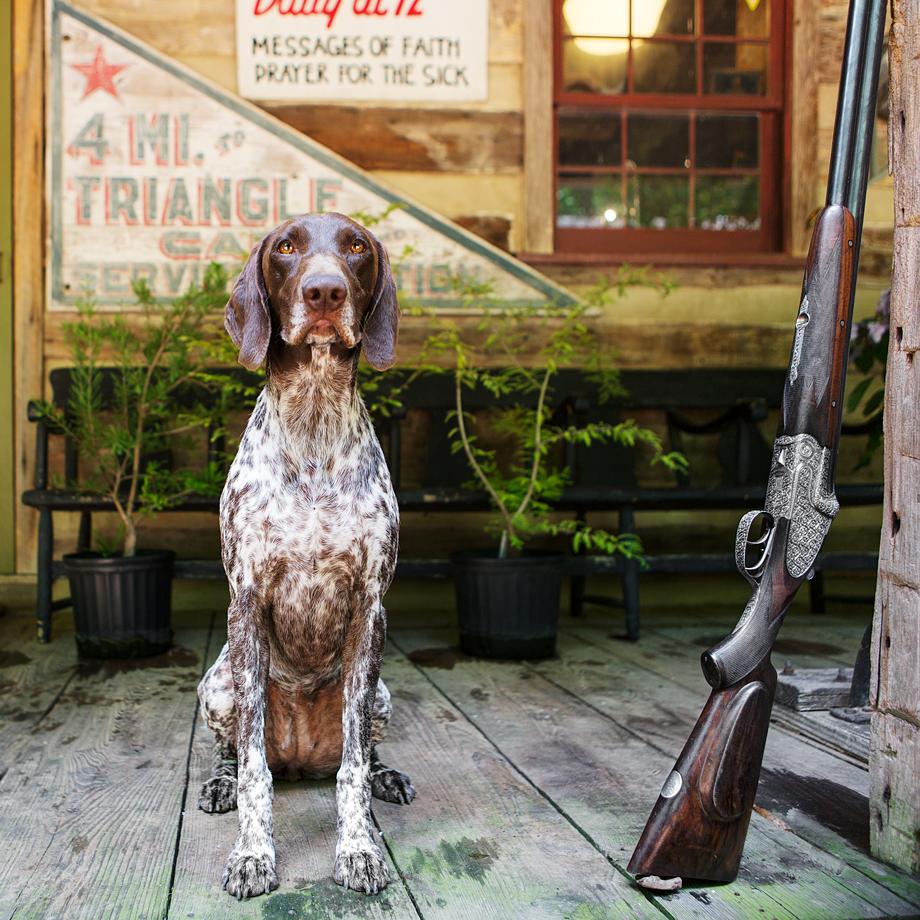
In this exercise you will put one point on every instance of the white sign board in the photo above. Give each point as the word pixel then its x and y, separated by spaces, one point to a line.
pixel 154 172
pixel 383 50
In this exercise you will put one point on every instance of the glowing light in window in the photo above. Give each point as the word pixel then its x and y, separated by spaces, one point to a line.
pixel 610 216
pixel 594 20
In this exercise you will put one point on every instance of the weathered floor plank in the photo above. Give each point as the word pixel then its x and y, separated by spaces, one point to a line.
pixel 480 841
pixel 31 678
pixel 804 642
pixel 89 809
pixel 614 772
pixel 821 798
pixel 676 660
pixel 304 826
pixel 591 769
pixel 533 779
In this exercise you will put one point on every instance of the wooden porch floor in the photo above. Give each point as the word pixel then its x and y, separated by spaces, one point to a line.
pixel 533 783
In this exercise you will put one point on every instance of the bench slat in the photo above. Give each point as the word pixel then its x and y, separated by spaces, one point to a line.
pixel 577 498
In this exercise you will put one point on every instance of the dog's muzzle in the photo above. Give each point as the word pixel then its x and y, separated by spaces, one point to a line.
pixel 325 315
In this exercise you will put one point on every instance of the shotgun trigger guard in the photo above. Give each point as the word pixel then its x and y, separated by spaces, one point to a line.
pixel 800 490
pixel 744 544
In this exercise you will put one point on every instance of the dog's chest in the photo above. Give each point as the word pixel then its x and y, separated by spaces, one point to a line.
pixel 310 515
pixel 322 508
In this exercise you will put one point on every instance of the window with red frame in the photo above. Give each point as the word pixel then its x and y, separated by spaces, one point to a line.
pixel 668 125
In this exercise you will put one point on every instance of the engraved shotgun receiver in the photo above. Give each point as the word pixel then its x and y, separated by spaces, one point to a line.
pixel 698 825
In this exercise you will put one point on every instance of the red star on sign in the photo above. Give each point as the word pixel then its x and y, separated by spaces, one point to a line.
pixel 100 74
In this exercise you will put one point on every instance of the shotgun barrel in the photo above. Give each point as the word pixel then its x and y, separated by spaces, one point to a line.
pixel 698 825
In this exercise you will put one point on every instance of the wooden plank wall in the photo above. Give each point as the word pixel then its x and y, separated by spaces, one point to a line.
pixel 470 162
pixel 804 195
pixel 7 464
pixel 895 749
pixel 538 126
pixel 477 147
pixel 469 159
pixel 28 252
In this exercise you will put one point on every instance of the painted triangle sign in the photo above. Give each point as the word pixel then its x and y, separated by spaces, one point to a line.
pixel 154 172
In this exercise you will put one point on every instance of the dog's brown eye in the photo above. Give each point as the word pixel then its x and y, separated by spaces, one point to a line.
pixel 358 246
pixel 285 247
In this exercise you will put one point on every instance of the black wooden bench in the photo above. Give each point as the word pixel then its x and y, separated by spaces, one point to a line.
pixel 727 405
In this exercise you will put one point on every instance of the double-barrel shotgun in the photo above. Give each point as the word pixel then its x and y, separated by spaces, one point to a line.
pixel 698 825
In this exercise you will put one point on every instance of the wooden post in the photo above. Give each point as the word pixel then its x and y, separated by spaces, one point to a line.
pixel 806 188
pixel 28 253
pixel 7 478
pixel 895 750
pixel 539 207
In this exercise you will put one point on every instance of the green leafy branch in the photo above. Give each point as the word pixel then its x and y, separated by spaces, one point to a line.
pixel 150 358
pixel 522 490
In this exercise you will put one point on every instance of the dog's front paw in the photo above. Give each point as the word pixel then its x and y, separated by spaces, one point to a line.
pixel 392 786
pixel 362 870
pixel 218 795
pixel 248 876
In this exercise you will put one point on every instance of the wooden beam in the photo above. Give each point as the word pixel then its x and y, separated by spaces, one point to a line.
pixel 28 250
pixel 138 726
pixel 7 478
pixel 803 126
pixel 538 127
pixel 412 139
pixel 895 748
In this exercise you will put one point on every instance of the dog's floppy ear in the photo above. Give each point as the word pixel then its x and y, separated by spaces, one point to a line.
pixel 381 323
pixel 247 317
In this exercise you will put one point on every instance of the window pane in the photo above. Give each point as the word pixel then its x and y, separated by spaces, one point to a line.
pixel 662 17
pixel 658 140
pixel 664 67
pixel 589 201
pixel 727 141
pixel 594 65
pixel 596 17
pixel 737 17
pixel 658 201
pixel 735 69
pixel 727 202
pixel 589 137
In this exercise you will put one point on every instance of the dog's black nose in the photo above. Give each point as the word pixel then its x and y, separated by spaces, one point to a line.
pixel 324 292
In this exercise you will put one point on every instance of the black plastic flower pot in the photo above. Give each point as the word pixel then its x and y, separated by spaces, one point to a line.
pixel 508 608
pixel 121 604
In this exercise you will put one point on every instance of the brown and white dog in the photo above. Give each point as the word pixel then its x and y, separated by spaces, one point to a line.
pixel 309 533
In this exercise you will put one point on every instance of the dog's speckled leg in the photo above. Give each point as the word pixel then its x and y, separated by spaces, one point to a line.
pixel 251 867
pixel 386 784
pixel 359 864
pixel 215 692
pixel 218 794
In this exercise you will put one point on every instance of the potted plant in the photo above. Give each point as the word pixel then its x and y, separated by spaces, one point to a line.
pixel 123 413
pixel 508 596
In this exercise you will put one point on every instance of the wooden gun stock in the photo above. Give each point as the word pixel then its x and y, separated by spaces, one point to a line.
pixel 699 823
